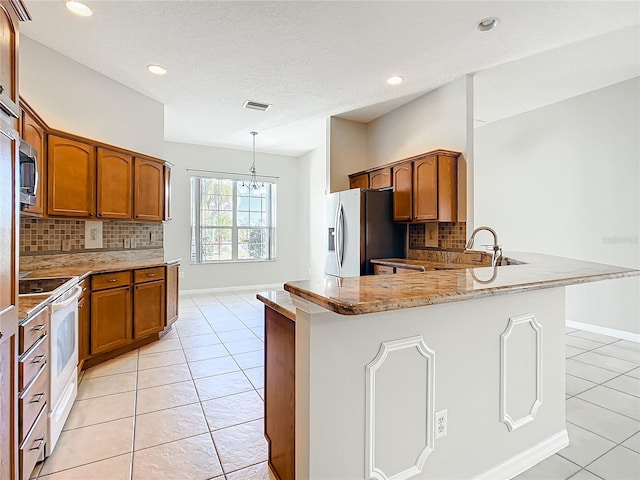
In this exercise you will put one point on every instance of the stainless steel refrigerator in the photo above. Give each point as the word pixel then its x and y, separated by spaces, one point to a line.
pixel 360 227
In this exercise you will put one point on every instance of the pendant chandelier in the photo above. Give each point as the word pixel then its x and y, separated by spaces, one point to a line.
pixel 253 183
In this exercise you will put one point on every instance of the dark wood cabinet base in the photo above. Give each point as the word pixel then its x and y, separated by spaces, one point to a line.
pixel 280 393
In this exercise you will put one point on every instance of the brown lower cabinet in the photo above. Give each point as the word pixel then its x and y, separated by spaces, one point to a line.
pixel 279 391
pixel 111 325
pixel 127 309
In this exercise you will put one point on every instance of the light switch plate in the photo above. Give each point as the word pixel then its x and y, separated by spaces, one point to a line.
pixel 92 234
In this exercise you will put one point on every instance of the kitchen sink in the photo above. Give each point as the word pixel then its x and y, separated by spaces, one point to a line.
pixel 40 286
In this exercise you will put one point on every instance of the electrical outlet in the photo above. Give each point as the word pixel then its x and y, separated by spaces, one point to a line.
pixel 181 274
pixel 441 423
pixel 152 237
pixel 126 243
pixel 132 242
pixel 66 245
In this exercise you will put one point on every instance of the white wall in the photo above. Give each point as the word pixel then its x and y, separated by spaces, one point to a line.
pixel 565 180
pixel 292 224
pixel 313 171
pixel 75 99
pixel 347 144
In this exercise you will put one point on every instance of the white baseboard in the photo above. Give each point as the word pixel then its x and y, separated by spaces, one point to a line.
pixel 527 459
pixel 241 288
pixel 612 332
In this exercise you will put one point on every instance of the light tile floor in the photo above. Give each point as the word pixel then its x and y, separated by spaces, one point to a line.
pixel 190 406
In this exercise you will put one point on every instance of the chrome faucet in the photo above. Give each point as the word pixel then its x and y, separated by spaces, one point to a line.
pixel 497 249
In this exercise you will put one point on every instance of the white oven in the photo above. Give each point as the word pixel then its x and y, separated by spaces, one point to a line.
pixel 63 353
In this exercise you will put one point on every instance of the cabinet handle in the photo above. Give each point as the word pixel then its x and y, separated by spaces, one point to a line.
pixel 39 359
pixel 39 446
pixel 37 398
pixel 37 328
pixel 1 334
pixel 151 274
pixel 113 280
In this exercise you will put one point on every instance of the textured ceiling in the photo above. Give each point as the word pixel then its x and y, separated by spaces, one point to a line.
pixel 309 59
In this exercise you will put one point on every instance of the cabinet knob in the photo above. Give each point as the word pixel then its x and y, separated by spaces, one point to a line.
pixel 1 334
pixel 151 274
pixel 91 214
pixel 113 280
pixel 101 214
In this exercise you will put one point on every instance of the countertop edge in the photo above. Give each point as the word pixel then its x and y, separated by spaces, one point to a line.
pixel 282 309
pixel 345 308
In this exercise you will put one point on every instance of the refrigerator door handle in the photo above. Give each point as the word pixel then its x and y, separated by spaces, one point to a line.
pixel 337 237
pixel 340 249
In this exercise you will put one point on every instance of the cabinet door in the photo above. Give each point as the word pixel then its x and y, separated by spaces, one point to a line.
pixel 447 189
pixel 167 193
pixel 359 181
pixel 173 272
pixel 110 319
pixel 8 60
pixel 114 184
pixel 380 178
pixel 8 300
pixel 148 185
pixel 425 189
pixel 33 134
pixel 71 178
pixel 402 192
pixel 148 308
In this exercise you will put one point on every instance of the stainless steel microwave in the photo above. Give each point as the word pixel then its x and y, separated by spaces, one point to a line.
pixel 28 174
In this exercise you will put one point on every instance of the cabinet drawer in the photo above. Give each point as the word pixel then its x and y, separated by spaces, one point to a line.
pixel 382 269
pixel 148 274
pixel 30 363
pixel 400 270
pixel 110 280
pixel 32 330
pixel 33 446
pixel 31 401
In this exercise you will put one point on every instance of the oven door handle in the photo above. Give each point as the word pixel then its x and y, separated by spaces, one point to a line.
pixel 73 298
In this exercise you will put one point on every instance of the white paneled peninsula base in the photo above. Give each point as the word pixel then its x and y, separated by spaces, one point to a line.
pixel 433 375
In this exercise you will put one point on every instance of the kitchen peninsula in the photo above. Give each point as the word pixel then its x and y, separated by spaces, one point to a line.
pixel 443 374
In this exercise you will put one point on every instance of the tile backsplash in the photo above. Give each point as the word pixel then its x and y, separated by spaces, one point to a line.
pixel 44 235
pixel 451 235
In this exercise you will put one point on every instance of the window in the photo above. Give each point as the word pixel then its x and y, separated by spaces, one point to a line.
pixel 231 222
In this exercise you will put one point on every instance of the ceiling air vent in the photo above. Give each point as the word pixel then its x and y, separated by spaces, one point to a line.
pixel 263 107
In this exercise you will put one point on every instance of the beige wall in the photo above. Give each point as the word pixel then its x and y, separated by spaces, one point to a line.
pixel 76 99
pixel 440 119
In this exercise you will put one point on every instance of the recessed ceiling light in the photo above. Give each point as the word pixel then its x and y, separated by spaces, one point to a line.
pixel 395 80
pixel 78 8
pixel 487 24
pixel 157 69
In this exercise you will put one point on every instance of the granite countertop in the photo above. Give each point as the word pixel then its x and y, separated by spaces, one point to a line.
pixel 29 305
pixel 280 301
pixel 379 293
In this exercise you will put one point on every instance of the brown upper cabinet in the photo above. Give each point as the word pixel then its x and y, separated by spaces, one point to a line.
pixel 83 178
pixel 359 181
pixel 380 178
pixel 148 195
pixel 71 178
pixel 32 131
pixel 403 192
pixel 425 187
pixel 114 184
